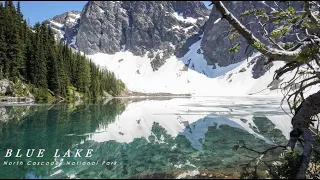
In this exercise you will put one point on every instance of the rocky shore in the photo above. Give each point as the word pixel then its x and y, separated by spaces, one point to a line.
pixel 15 92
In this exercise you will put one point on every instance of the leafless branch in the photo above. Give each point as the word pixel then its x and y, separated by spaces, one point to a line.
pixel 312 17
pixel 272 53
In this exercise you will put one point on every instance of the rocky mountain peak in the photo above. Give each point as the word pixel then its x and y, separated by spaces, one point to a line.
pixel 138 26
pixel 65 26
pixel 190 9
pixel 63 18
pixel 159 28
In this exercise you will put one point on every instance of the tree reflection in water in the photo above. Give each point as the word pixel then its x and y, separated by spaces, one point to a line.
pixel 204 146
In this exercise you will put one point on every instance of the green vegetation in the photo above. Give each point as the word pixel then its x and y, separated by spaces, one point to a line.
pixel 52 70
pixel 280 31
pixel 235 48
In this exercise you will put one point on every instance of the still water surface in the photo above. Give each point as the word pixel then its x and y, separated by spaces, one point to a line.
pixel 135 138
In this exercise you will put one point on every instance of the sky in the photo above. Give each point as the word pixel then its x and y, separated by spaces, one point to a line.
pixel 38 11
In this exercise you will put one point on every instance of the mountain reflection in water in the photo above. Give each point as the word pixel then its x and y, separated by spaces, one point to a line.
pixel 145 137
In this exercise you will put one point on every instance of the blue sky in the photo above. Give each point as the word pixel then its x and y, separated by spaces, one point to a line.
pixel 38 11
pixel 207 3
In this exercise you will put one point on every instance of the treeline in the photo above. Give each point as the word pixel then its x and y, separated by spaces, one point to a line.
pixel 31 54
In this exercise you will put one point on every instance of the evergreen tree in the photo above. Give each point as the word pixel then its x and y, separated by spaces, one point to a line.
pixel 26 41
pixel 3 50
pixel 95 85
pixel 40 71
pixel 44 40
pixel 29 58
pixel 14 54
pixel 33 55
pixel 19 10
pixel 3 56
pixel 61 71
pixel 14 46
pixel 9 6
pixel 19 19
pixel 82 74
pixel 53 76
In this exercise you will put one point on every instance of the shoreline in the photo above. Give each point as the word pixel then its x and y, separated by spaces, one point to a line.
pixel 21 100
pixel 140 96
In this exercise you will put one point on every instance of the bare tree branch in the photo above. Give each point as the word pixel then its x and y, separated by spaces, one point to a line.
pixel 313 18
pixel 272 53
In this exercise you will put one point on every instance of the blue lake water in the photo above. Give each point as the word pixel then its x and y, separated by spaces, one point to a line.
pixel 139 137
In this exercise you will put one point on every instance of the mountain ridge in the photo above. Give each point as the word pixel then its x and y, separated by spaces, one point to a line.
pixel 144 38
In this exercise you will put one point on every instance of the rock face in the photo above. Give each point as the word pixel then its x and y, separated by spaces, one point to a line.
pixel 260 67
pixel 65 26
pixel 138 26
pixel 14 92
pixel 159 29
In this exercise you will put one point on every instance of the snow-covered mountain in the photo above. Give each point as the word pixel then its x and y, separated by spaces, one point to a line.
pixel 169 47
pixel 65 27
pixel 187 75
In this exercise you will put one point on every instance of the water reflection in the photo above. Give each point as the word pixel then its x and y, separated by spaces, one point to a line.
pixel 140 137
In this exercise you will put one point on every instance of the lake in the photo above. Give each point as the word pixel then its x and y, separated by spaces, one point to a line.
pixel 140 137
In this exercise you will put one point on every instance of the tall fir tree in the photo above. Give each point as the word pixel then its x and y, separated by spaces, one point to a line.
pixel 3 46
pixel 62 68
pixel 40 70
pixel 26 40
pixel 14 49
pixel 52 64
pixel 3 56
pixel 9 5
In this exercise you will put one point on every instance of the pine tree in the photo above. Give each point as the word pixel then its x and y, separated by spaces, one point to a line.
pixel 94 82
pixel 3 56
pixel 61 71
pixel 9 5
pixel 66 61
pixel 44 39
pixel 26 41
pixel 19 18
pixel 19 10
pixel 3 50
pixel 28 57
pixel 40 70
pixel 14 46
pixel 52 66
